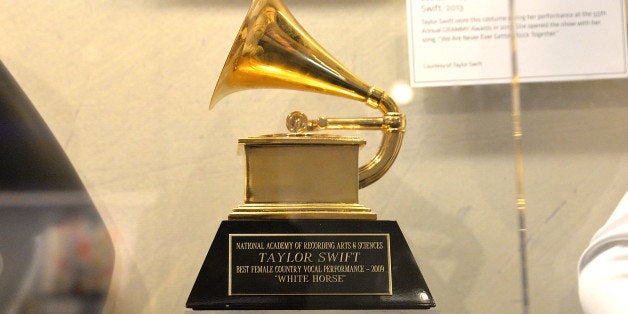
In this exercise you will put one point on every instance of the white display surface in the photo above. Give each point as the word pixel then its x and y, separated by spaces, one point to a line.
pixel 460 42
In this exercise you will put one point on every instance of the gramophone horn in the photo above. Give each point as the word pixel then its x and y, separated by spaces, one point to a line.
pixel 272 50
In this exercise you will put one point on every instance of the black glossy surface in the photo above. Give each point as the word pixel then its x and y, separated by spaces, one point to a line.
pixel 211 286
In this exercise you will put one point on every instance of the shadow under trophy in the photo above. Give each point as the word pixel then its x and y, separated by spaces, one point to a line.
pixel 301 240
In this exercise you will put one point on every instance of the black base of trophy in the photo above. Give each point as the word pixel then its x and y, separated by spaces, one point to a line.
pixel 309 264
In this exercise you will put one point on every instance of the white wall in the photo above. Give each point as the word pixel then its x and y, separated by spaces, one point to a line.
pixel 125 87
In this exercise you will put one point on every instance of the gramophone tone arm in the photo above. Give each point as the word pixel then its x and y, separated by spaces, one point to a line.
pixel 298 122
pixel 392 123
pixel 391 139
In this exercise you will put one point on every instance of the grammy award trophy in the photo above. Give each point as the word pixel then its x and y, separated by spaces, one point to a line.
pixel 301 240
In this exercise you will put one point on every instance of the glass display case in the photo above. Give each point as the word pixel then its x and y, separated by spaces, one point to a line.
pixel 125 87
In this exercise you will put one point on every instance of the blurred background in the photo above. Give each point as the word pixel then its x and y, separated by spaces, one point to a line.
pixel 124 86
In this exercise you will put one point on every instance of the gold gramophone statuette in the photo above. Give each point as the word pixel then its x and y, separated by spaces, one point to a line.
pixel 301 240
pixel 300 175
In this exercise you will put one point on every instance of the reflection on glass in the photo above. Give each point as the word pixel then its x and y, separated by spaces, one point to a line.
pixel 60 265
pixel 402 93
pixel 56 255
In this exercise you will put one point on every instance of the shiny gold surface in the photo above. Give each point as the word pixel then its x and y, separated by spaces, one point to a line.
pixel 301 176
pixel 272 50
pixel 303 138
pixel 302 211
pixel 306 172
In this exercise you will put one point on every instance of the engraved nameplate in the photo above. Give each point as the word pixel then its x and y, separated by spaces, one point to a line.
pixel 309 264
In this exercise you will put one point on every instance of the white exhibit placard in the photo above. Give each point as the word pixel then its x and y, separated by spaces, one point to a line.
pixel 464 42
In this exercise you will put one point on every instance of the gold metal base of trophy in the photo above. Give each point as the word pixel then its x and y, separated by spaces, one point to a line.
pixel 302 211
pixel 302 176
